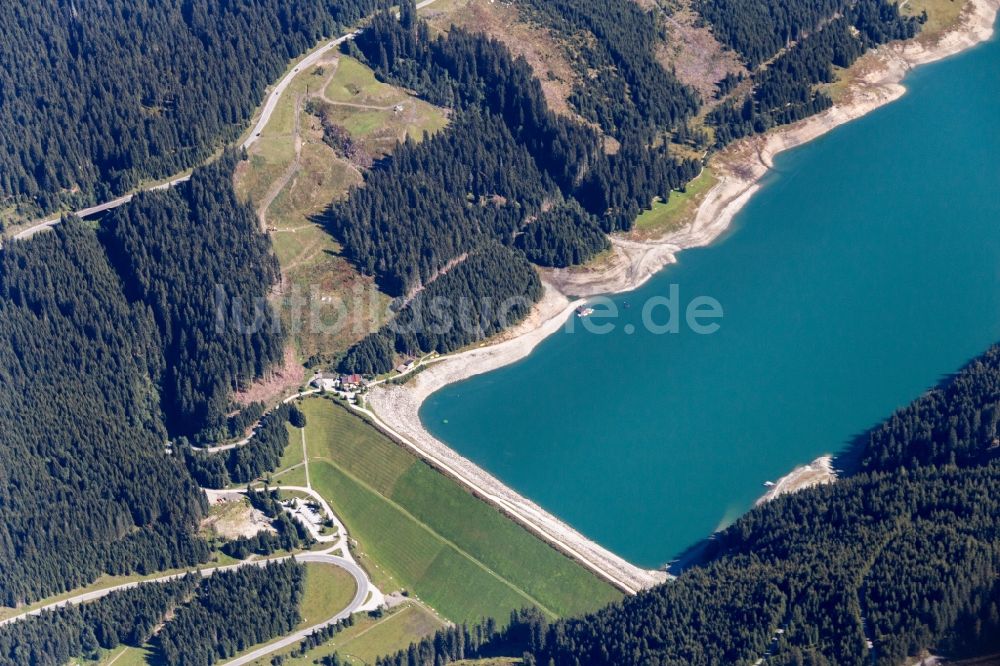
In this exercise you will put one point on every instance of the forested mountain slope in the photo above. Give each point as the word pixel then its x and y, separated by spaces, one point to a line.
pixel 190 621
pixel 623 88
pixel 430 202
pixel 486 293
pixel 790 48
pixel 196 256
pixel 232 611
pixel 904 554
pixel 86 487
pixel 125 617
pixel 98 94
pixel 634 148
pixel 111 343
pixel 472 71
pixel 105 350
pixel 759 29
pixel 492 176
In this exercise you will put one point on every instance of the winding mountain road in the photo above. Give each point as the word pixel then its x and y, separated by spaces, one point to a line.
pixel 366 595
pixel 357 603
pixel 270 104
pixel 360 578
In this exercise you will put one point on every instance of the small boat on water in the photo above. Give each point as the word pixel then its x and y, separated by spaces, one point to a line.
pixel 583 311
pixel 769 484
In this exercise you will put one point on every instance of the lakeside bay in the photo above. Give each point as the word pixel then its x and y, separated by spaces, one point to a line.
pixel 862 272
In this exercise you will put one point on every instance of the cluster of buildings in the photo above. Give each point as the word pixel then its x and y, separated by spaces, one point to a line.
pixel 353 383
pixel 336 382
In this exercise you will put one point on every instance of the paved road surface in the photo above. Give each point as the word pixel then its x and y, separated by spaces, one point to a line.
pixel 291 639
pixel 270 104
pixel 366 596
pixel 360 577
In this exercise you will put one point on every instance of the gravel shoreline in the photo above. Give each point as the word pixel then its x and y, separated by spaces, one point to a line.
pixel 740 168
pixel 816 473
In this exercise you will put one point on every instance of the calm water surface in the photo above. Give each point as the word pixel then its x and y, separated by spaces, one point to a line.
pixel 866 269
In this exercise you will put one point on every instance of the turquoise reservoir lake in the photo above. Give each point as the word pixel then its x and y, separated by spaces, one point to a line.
pixel 865 270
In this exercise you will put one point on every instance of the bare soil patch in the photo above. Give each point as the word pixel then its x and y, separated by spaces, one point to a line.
pixel 695 56
pixel 502 21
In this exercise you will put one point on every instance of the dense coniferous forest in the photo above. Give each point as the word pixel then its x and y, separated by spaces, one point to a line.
pixel 435 200
pixel 86 485
pixel 126 617
pixel 464 70
pixel 207 469
pixel 195 255
pixel 956 423
pixel 233 611
pixel 905 554
pixel 96 95
pixel 486 293
pixel 198 620
pixel 621 186
pixel 82 335
pixel 263 452
pixel 241 464
pixel 623 88
pixel 563 235
pixel 759 29
pixel 502 161
pixel 784 91
pixel 238 423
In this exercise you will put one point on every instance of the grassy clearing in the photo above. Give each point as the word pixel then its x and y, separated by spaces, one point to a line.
pixel 356 83
pixel 601 261
pixel 387 634
pixel 429 535
pixel 941 15
pixel 362 122
pixel 375 113
pixel 842 82
pixel 369 638
pixel 125 656
pixel 292 176
pixel 328 590
pixel 373 638
pixel 678 210
pixel 293 452
pixel 383 127
pixel 549 56
pixel 291 477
